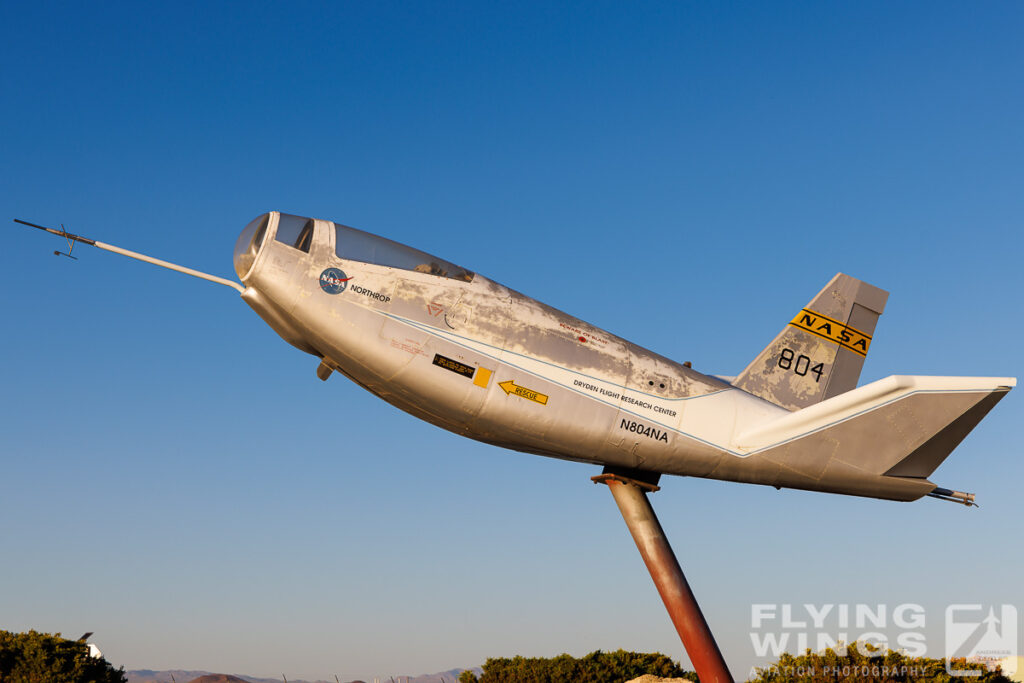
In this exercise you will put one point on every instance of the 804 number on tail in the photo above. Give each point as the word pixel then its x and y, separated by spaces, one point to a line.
pixel 800 364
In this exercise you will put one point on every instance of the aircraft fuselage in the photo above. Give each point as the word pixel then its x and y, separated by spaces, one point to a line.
pixel 484 361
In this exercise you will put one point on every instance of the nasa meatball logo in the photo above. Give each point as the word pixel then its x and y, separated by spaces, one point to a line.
pixel 333 281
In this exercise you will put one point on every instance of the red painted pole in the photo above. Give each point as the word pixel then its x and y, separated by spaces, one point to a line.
pixel 631 497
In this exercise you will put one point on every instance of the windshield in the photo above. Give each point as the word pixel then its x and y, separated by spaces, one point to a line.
pixel 295 231
pixel 362 246
pixel 248 244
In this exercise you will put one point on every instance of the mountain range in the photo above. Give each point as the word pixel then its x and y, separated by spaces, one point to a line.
pixel 185 676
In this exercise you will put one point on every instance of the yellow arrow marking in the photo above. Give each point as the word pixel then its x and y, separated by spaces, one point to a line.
pixel 511 387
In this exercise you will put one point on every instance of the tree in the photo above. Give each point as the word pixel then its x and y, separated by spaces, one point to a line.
pixel 42 657
pixel 596 667
pixel 468 677
pixel 866 662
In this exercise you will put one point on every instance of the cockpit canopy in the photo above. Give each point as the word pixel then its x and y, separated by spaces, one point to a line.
pixel 349 243
pixel 357 245
pixel 248 245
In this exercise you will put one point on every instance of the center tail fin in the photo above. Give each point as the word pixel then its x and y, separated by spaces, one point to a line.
pixel 820 352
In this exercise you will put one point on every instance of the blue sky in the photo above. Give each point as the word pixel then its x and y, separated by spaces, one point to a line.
pixel 175 478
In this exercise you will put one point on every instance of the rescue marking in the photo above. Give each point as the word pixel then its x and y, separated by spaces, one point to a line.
pixel 435 309
pixel 482 377
pixel 511 387
pixel 832 330
pixel 646 430
pixel 408 345
pixel 334 281
pixel 453 365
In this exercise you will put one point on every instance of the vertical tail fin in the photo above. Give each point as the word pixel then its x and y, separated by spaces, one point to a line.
pixel 820 353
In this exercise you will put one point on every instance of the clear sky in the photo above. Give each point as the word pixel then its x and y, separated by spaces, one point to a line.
pixel 686 175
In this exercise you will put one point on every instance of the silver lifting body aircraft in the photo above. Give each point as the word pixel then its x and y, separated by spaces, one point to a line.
pixel 481 360
pixel 467 354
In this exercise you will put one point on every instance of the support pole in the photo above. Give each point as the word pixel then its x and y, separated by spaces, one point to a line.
pixel 631 496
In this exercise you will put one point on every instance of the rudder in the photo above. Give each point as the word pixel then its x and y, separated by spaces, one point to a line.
pixel 820 353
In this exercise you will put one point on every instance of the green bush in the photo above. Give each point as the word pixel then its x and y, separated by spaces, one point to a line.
pixel 835 665
pixel 597 667
pixel 44 658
